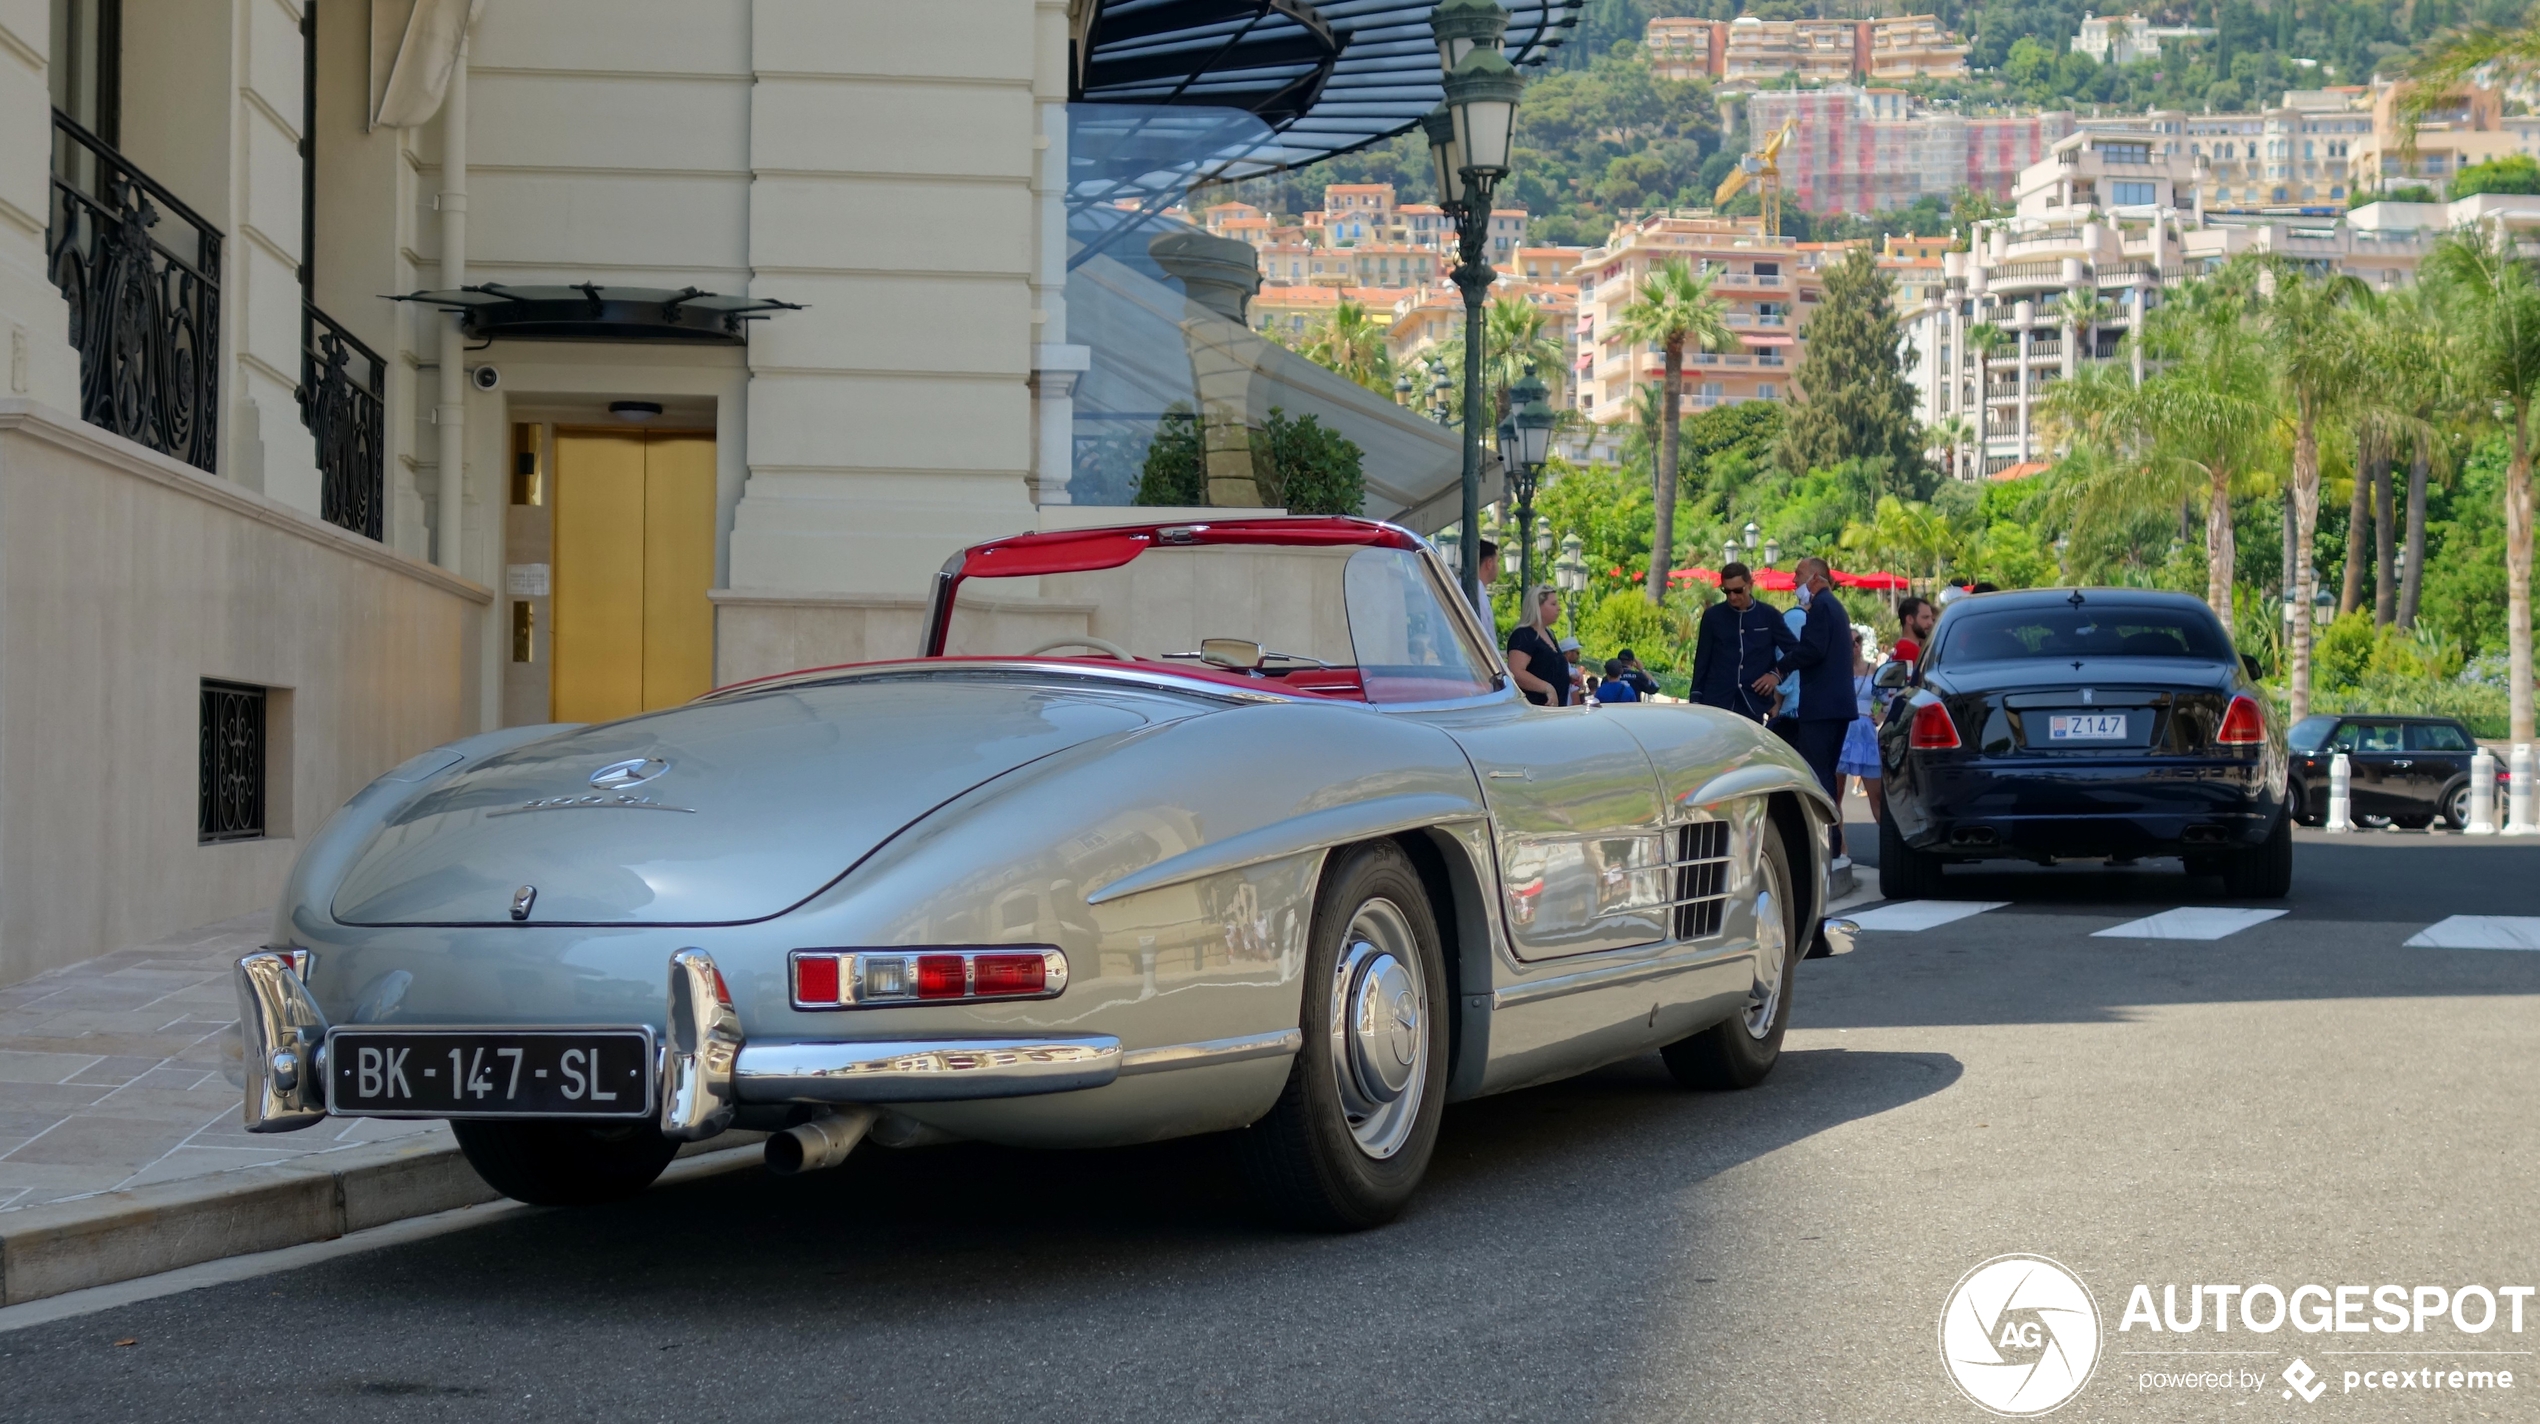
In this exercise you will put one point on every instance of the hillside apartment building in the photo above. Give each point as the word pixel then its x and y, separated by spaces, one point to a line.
pixel 1748 51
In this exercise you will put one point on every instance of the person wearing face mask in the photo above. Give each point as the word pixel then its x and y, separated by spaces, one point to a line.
pixel 1737 643
pixel 1821 660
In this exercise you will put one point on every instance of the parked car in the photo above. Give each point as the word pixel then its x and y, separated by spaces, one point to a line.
pixel 2080 724
pixel 1167 830
pixel 2404 771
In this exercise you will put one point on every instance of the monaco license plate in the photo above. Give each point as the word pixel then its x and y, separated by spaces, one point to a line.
pixel 2086 727
pixel 481 1073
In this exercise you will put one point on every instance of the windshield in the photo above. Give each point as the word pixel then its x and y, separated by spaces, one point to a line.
pixel 1999 635
pixel 2308 733
pixel 1345 620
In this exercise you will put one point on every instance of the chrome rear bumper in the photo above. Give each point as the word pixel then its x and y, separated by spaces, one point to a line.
pixel 707 1069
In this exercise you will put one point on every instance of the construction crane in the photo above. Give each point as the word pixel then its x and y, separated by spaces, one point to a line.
pixel 1762 167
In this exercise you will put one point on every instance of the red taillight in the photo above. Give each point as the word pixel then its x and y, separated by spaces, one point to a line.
pixel 1932 731
pixel 1008 974
pixel 816 979
pixel 940 976
pixel 722 991
pixel 2244 725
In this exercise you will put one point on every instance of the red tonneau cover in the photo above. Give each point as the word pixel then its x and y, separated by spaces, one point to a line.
pixel 1067 551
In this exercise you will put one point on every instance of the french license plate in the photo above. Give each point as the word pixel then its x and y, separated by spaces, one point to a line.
pixel 474 1073
pixel 2086 727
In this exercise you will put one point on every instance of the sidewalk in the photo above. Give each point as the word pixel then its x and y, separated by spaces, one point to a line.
pixel 122 1072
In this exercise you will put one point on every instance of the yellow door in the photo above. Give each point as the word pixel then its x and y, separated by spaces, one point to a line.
pixel 634 556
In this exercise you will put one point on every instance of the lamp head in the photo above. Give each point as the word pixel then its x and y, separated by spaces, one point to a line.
pixel 1482 94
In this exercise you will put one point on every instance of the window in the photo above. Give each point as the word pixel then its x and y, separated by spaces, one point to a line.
pixel 2085 632
pixel 231 806
pixel 2132 195
pixel 2366 737
pixel 1764 392
pixel 2436 737
pixel 1409 647
pixel 2125 152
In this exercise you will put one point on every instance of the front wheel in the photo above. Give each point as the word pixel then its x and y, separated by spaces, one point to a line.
pixel 1739 1051
pixel 549 1163
pixel 1350 1137
pixel 2265 871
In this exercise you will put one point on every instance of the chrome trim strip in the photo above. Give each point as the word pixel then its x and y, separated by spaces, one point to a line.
pixel 1297 835
pixel 1607 976
pixel 1128 673
pixel 1209 1052
pixel 923 1070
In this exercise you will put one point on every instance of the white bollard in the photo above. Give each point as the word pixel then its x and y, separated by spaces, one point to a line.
pixel 2341 780
pixel 2482 794
pixel 2518 794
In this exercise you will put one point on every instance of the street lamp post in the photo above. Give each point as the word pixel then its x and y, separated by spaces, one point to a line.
pixel 1572 574
pixel 1751 532
pixel 1772 552
pixel 1468 144
pixel 1525 438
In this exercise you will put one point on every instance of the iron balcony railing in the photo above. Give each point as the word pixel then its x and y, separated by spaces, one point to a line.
pixel 144 298
pixel 343 400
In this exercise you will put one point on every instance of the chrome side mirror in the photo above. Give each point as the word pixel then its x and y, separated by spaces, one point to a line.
pixel 1238 654
pixel 1893 677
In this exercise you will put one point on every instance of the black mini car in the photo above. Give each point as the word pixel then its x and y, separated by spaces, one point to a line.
pixel 2403 771
pixel 2053 724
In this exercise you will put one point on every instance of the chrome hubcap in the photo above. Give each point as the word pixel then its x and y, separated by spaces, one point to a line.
pixel 1380 1040
pixel 1772 955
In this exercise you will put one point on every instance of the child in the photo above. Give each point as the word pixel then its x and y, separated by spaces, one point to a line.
pixel 1860 755
pixel 1617 686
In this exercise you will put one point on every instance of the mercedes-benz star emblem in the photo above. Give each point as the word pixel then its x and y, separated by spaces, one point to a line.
pixel 617 776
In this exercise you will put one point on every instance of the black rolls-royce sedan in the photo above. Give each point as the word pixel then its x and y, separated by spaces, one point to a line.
pixel 2054 724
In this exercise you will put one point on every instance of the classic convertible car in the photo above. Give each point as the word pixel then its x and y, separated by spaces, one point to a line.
pixel 1170 829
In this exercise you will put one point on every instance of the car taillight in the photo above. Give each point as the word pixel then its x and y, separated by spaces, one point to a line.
pixel 2244 725
pixel 1932 730
pixel 854 979
pixel 996 975
pixel 941 976
pixel 816 979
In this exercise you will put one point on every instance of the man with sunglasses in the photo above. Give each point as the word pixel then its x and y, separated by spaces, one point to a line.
pixel 1737 644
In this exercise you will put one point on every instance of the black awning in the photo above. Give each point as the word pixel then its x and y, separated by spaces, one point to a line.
pixel 592 312
pixel 1326 77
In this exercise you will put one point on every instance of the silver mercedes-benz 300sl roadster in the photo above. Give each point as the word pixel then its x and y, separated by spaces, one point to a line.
pixel 1169 829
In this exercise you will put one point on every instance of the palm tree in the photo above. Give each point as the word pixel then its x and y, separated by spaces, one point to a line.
pixel 2507 55
pixel 1351 341
pixel 2417 367
pixel 2084 312
pixel 1984 340
pixel 2309 326
pixel 1672 307
pixel 1949 435
pixel 2201 423
pixel 2495 305
pixel 1520 341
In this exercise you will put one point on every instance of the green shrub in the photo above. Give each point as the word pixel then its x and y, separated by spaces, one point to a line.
pixel 1661 637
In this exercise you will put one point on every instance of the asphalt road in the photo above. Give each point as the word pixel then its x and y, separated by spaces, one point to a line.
pixel 2306 1100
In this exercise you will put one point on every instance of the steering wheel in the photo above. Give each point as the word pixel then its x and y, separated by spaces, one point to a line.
pixel 1100 645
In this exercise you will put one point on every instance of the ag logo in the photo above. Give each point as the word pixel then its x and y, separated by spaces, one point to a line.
pixel 2020 1335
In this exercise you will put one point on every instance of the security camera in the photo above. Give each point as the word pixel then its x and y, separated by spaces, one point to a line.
pixel 485 378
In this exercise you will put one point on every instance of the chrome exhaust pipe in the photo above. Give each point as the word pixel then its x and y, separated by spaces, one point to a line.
pixel 822 1142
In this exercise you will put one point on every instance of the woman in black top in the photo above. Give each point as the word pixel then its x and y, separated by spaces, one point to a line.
pixel 1535 660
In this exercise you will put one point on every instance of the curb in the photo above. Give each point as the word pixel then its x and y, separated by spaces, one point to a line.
pixel 74 1245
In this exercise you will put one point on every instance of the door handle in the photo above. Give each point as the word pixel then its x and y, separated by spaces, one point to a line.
pixel 2403 765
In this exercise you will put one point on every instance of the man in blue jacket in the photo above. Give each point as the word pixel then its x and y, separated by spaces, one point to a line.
pixel 1822 661
pixel 1736 646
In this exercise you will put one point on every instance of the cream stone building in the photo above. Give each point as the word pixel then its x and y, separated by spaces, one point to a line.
pixel 736 318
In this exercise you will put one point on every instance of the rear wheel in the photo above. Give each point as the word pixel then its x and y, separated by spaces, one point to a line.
pixel 2456 807
pixel 2264 871
pixel 1739 1051
pixel 548 1163
pixel 2300 797
pixel 1351 1135
pixel 1904 872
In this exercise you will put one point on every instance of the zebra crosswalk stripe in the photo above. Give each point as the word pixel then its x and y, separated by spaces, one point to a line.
pixel 2189 922
pixel 2479 932
pixel 1913 915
